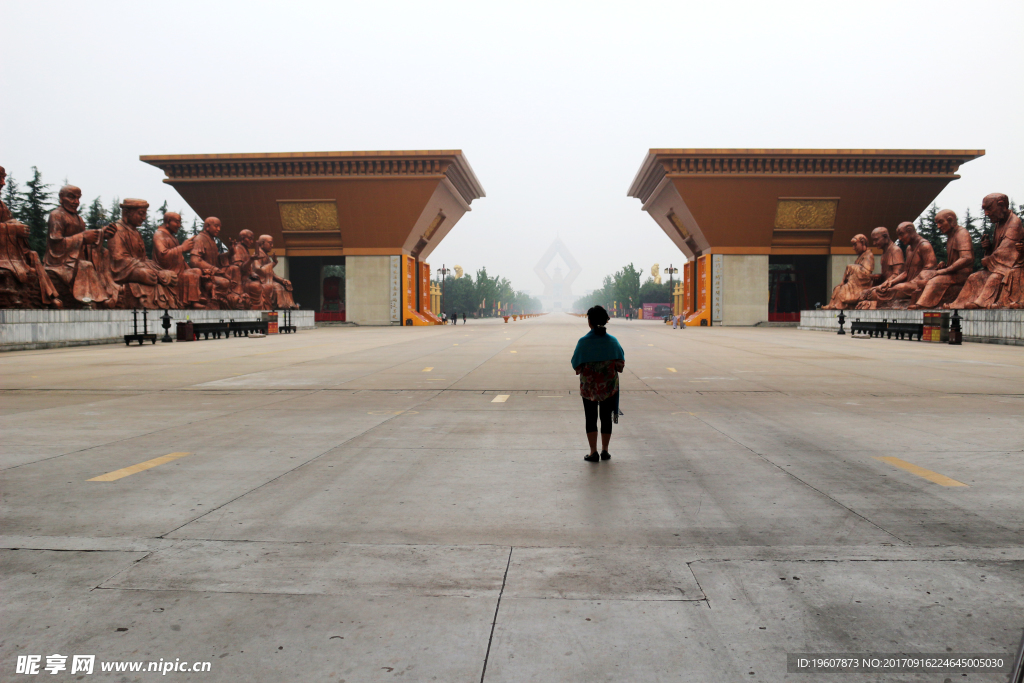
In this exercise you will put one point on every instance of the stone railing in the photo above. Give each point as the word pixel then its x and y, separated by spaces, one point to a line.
pixel 990 327
pixel 24 329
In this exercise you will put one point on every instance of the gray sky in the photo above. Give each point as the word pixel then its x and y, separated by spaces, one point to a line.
pixel 554 103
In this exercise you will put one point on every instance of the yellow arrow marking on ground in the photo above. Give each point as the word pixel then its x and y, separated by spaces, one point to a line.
pixel 671 369
pixel 650 344
pixel 513 352
pixel 500 398
pixel 427 369
pixel 934 477
pixel 141 467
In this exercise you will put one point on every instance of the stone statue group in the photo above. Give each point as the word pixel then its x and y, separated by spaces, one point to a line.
pixel 915 280
pixel 108 268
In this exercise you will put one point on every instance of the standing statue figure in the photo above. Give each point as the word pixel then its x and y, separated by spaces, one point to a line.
pixel 170 255
pixel 76 257
pixel 243 260
pixel 656 273
pixel 900 289
pixel 943 285
pixel 856 279
pixel 222 281
pixel 983 288
pixel 146 285
pixel 277 292
pixel 21 270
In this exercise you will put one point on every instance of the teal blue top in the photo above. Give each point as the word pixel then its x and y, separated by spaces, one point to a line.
pixel 592 348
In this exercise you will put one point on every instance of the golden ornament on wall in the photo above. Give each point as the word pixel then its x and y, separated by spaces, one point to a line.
pixel 806 214
pixel 308 215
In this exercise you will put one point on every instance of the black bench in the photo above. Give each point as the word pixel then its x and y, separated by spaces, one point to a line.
pixel 869 327
pixel 902 330
pixel 216 329
pixel 244 327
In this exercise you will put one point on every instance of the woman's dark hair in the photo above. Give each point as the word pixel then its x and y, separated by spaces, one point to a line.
pixel 598 318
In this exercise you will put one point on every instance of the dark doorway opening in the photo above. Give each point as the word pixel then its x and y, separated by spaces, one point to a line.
pixel 308 275
pixel 795 283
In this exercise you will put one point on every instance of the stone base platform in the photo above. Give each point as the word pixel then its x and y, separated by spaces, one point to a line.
pixel 22 330
pixel 988 327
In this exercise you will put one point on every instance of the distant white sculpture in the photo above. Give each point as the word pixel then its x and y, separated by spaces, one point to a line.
pixel 557 288
pixel 656 272
pixel 458 272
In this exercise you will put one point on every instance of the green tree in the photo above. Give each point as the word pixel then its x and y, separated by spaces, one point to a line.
pixel 95 216
pixel 651 293
pixel 971 223
pixel 37 202
pixel 12 197
pixel 627 287
pixel 114 214
pixel 929 230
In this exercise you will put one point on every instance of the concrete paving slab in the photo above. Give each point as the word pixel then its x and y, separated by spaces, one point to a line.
pixel 250 636
pixel 601 574
pixel 320 569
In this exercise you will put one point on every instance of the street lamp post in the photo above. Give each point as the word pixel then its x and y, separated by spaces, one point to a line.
pixel 443 272
pixel 671 271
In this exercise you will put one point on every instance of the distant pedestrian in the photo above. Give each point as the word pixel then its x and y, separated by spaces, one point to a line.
pixel 463 318
pixel 444 318
pixel 598 360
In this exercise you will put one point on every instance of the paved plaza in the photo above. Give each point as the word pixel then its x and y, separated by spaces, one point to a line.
pixel 377 504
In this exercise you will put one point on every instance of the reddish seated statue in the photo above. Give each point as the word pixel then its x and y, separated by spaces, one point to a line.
pixel 943 284
pixel 222 281
pixel 76 256
pixel 856 279
pixel 277 292
pixel 901 289
pixel 170 255
pixel 243 260
pixel 1002 256
pixel 21 270
pixel 146 284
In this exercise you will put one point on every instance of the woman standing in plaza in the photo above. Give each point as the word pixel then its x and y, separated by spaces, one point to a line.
pixel 598 360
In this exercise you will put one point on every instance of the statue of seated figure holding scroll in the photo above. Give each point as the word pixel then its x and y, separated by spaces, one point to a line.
pixel 246 264
pixel 900 290
pixel 943 284
pixel 222 281
pixel 21 270
pixel 170 255
pixel 146 284
pixel 76 257
pixel 984 288
pixel 277 292
pixel 856 279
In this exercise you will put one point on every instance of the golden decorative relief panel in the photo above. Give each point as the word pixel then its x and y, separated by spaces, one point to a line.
pixel 308 216
pixel 806 214
pixel 434 225
pixel 678 223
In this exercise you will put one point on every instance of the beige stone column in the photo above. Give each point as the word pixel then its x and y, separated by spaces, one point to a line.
pixel 744 289
pixel 367 290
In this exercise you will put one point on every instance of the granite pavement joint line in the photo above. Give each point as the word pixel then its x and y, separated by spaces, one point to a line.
pixel 497 606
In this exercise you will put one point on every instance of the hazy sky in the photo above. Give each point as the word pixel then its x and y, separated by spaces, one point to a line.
pixel 555 104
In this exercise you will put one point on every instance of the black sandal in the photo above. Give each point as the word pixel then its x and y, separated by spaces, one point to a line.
pixel 605 455
pixel 593 457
